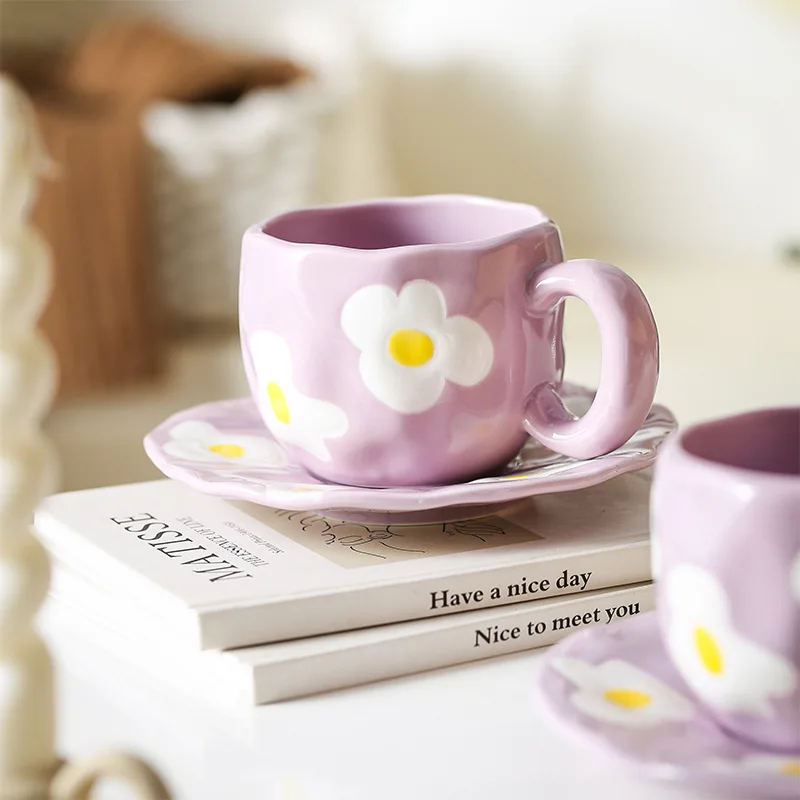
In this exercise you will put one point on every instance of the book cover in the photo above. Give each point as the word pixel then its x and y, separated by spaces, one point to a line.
pixel 220 574
pixel 283 670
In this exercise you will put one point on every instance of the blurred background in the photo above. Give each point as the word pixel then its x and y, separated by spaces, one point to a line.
pixel 661 136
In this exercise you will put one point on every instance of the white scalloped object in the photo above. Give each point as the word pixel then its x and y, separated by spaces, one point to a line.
pixel 27 378
pixel 28 761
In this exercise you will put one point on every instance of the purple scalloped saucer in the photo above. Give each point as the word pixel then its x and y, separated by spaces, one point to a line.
pixel 615 688
pixel 224 448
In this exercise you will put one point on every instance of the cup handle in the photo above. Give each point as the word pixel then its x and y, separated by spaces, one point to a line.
pixel 629 368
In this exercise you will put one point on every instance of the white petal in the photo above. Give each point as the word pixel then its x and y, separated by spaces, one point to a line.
pixel 596 706
pixel 189 450
pixel 666 705
pixel 615 673
pixel 765 674
pixel 277 428
pixel 195 440
pixel 751 676
pixel 409 390
pixel 694 591
pixel 312 422
pixel 671 706
pixel 421 305
pixel 194 429
pixel 257 451
pixel 324 419
pixel 666 702
pixel 311 444
pixel 595 679
pixel 272 360
pixel 469 351
pixel 367 315
pixel 190 440
pixel 780 677
pixel 579 672
pixel 316 447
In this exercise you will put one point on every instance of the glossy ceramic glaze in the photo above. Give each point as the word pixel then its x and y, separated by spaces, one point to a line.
pixel 726 528
pixel 415 341
pixel 225 449
pixel 614 687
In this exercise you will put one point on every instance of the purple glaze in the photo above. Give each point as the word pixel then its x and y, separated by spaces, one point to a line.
pixel 691 752
pixel 726 499
pixel 299 269
pixel 629 371
pixel 534 470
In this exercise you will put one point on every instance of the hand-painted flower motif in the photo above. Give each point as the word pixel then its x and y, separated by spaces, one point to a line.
pixel 724 668
pixel 620 693
pixel 409 346
pixel 760 764
pixel 201 441
pixel 292 417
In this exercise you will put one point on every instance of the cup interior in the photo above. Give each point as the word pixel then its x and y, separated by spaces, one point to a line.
pixel 388 224
pixel 762 441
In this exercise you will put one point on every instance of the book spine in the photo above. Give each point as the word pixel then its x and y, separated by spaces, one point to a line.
pixel 349 609
pixel 456 640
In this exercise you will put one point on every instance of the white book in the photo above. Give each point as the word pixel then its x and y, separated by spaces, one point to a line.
pixel 247 676
pixel 219 574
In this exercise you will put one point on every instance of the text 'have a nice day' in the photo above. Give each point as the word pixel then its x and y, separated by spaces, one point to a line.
pixel 566 580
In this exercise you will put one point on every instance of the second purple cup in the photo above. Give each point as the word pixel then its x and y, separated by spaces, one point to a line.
pixel 418 341
pixel 726 538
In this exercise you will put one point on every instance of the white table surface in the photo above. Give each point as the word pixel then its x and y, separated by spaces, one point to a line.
pixel 473 732
pixel 730 341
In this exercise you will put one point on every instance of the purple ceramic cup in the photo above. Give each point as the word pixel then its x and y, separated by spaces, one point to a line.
pixel 726 556
pixel 417 341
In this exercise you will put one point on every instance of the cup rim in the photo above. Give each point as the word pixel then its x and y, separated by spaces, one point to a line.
pixel 721 468
pixel 542 220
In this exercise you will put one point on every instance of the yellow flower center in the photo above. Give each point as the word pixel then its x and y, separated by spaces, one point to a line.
pixel 227 450
pixel 627 698
pixel 790 768
pixel 708 650
pixel 410 347
pixel 277 400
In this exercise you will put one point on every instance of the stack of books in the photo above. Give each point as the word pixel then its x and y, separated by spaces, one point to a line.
pixel 252 604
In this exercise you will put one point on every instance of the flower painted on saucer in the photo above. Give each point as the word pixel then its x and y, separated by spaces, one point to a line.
pixel 291 416
pixel 410 348
pixel 760 764
pixel 620 693
pixel 724 668
pixel 201 441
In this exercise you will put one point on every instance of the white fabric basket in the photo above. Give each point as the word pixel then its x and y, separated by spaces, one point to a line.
pixel 218 169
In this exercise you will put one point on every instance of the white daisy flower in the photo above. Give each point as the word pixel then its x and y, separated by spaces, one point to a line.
pixel 760 764
pixel 726 670
pixel 620 693
pixel 292 417
pixel 409 346
pixel 201 441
